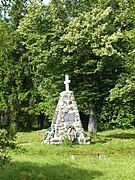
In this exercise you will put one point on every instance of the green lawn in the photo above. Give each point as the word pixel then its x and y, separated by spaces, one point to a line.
pixel 36 160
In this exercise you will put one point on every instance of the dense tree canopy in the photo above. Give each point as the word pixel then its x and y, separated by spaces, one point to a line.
pixel 92 41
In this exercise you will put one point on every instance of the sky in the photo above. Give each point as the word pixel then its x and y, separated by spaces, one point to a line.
pixel 46 1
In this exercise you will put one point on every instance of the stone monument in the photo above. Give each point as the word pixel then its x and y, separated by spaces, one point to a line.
pixel 66 122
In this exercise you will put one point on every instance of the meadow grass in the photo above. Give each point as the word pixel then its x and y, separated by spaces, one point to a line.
pixel 37 160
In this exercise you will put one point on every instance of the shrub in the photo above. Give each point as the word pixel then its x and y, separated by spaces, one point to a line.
pixel 7 142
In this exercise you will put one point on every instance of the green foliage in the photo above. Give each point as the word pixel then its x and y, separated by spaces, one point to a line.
pixel 7 143
pixel 18 93
pixel 4 158
pixel 66 141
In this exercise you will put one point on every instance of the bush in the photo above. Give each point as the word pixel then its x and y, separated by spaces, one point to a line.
pixel 7 142
pixel 66 141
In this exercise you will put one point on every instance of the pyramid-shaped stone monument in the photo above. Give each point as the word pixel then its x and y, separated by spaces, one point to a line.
pixel 66 122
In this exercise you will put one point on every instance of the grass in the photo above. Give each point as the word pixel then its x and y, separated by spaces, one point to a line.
pixel 38 161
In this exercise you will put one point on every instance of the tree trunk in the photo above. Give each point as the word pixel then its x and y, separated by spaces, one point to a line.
pixel 92 124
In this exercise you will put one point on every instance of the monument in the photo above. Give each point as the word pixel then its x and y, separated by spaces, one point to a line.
pixel 66 122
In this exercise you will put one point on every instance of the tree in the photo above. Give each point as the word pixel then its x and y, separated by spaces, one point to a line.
pixel 96 45
pixel 122 95
pixel 18 92
pixel 44 26
pixel 7 71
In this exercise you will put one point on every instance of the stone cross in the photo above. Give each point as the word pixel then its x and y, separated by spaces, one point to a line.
pixel 66 82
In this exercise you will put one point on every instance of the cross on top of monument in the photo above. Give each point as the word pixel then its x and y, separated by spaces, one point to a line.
pixel 66 82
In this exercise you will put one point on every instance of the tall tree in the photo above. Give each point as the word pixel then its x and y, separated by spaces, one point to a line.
pixel 17 89
pixel 44 26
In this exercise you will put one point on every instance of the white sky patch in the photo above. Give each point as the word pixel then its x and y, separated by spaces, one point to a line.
pixel 46 1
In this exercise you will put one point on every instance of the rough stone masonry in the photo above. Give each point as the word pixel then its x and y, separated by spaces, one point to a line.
pixel 66 122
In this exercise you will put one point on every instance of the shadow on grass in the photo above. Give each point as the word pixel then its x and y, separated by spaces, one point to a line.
pixel 33 171
pixel 122 136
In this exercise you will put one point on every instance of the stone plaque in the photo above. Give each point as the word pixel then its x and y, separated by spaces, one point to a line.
pixel 55 117
pixel 69 117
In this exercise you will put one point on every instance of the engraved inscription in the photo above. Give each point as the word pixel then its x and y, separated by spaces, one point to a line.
pixel 69 117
